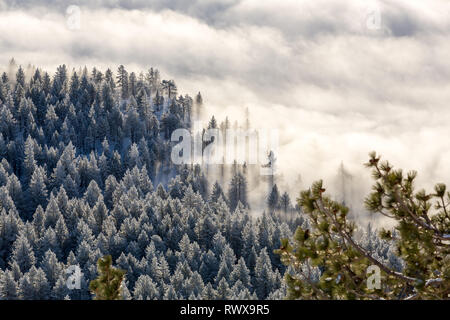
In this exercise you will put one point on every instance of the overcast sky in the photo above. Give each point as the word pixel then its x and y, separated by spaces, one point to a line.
pixel 338 78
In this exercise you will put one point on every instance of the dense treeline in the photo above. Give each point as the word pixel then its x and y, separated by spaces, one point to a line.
pixel 85 171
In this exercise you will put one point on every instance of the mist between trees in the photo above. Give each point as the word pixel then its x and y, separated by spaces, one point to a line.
pixel 86 172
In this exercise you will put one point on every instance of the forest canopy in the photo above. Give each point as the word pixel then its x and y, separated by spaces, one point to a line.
pixel 86 177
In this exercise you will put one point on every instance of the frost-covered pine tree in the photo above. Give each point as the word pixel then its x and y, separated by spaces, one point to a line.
pixel 8 286
pixel 285 202
pixel 237 191
pixel 145 289
pixel 23 254
pixel 38 190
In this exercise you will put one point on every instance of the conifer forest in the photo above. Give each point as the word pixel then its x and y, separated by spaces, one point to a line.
pixel 224 150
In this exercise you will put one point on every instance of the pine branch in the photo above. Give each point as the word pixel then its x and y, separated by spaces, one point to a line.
pixel 358 248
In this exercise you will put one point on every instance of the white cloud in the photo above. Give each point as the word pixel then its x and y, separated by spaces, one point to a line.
pixel 336 89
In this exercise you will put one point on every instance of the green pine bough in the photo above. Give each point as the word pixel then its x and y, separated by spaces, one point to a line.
pixel 108 284
pixel 421 238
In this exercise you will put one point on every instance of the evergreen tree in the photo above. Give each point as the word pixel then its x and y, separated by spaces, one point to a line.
pixel 29 161
pixel 237 191
pixel 212 123
pixel 264 277
pixel 8 286
pixel 223 291
pixel 23 254
pixel 51 267
pixel 132 84
pixel 241 273
pixel 274 199
pixel 122 81
pixel 330 243
pixel 217 192
pixel 38 189
pixel 285 202
pixel 199 105
pixel 108 284
pixel 145 289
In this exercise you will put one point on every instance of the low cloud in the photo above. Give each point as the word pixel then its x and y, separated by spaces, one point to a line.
pixel 334 86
